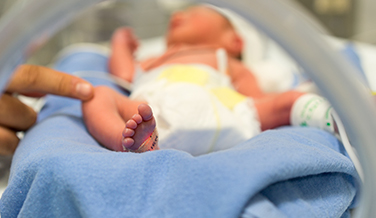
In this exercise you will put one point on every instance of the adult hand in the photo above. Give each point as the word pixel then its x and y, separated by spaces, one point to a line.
pixel 33 81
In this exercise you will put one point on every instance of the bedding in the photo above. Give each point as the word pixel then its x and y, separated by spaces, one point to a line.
pixel 60 170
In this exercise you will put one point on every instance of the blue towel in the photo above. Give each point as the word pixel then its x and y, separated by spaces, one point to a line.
pixel 59 170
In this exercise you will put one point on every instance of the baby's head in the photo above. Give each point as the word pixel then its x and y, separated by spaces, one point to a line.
pixel 202 25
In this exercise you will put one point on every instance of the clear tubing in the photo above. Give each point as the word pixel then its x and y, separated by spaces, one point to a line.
pixel 335 77
pixel 27 23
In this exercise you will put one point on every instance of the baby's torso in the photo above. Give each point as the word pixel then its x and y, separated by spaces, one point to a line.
pixel 185 55
pixel 198 65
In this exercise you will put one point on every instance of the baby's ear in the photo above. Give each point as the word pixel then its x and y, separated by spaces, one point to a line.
pixel 238 44
pixel 234 43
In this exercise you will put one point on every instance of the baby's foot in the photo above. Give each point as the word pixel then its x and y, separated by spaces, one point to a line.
pixel 139 134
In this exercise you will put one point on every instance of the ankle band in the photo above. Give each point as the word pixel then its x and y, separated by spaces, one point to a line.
pixel 149 144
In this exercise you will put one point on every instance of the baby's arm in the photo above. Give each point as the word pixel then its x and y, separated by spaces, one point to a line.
pixel 123 46
pixel 244 81
pixel 106 114
pixel 274 110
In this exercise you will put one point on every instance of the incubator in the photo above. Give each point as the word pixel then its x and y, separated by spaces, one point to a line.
pixel 23 27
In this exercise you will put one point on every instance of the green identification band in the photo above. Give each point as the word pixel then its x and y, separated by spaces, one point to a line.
pixel 312 110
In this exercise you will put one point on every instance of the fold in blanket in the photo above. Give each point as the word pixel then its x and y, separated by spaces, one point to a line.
pixel 60 170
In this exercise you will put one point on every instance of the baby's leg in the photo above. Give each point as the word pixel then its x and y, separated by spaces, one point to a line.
pixel 139 133
pixel 121 62
pixel 274 110
pixel 106 115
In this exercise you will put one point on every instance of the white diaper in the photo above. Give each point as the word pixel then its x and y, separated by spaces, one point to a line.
pixel 196 109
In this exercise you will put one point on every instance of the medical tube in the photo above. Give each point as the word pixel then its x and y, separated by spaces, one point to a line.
pixel 336 78
pixel 27 24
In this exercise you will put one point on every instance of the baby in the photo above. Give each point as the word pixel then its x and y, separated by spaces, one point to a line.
pixel 198 94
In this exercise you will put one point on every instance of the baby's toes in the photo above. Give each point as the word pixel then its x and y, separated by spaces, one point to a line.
pixel 127 132
pixel 127 142
pixel 145 112
pixel 131 124
pixel 137 118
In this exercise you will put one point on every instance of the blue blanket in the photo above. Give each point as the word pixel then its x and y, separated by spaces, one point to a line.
pixel 59 170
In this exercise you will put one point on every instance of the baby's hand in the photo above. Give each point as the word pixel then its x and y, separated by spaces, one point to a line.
pixel 124 36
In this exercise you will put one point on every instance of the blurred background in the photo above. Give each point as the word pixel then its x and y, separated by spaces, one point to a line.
pixel 349 19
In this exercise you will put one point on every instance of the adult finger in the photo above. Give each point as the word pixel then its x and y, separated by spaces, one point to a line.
pixel 31 78
pixel 8 141
pixel 14 114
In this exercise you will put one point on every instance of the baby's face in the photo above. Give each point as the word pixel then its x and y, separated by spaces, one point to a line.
pixel 195 26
